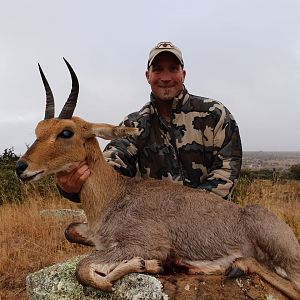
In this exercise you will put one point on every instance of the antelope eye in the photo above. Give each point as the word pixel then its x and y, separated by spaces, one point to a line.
pixel 66 134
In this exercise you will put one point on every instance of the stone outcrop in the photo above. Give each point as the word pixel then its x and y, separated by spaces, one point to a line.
pixel 65 212
pixel 58 282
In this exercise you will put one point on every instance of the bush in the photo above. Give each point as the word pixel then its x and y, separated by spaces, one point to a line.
pixel 9 155
pixel 11 189
pixel 294 171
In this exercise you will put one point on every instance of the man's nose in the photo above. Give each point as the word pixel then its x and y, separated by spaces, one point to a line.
pixel 166 76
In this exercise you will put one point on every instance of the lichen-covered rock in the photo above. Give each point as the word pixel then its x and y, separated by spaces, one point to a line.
pixel 64 212
pixel 59 283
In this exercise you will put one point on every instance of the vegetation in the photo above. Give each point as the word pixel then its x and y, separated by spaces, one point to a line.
pixel 283 198
pixel 9 187
pixel 11 190
pixel 9 155
pixel 30 241
pixel 291 173
pixel 294 171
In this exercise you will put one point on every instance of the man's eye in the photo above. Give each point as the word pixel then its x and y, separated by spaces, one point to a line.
pixel 66 134
pixel 156 69
pixel 174 69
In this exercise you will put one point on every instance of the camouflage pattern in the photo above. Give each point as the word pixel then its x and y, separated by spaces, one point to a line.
pixel 200 147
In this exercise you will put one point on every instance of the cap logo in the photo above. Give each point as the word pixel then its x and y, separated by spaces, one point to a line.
pixel 163 45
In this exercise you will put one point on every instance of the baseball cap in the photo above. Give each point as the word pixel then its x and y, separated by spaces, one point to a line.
pixel 162 47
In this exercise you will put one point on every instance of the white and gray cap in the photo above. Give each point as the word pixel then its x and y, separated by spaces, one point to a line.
pixel 164 47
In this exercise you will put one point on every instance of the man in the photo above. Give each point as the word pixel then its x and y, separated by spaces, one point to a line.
pixel 184 138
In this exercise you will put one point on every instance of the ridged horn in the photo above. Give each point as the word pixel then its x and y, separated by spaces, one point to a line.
pixel 69 107
pixel 49 111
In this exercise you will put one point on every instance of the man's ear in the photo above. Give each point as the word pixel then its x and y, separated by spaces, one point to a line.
pixel 147 75
pixel 184 73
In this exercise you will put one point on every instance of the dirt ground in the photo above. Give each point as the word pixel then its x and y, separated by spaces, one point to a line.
pixel 201 287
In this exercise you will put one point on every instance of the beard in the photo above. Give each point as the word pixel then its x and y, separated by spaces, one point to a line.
pixel 167 93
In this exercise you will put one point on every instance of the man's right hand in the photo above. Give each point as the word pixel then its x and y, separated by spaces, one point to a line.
pixel 71 182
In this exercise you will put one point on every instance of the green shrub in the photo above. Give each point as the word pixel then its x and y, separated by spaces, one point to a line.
pixel 9 155
pixel 294 171
pixel 11 189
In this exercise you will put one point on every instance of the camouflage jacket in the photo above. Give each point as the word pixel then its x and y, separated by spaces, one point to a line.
pixel 200 148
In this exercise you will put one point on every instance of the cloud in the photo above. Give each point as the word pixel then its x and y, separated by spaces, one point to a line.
pixel 243 53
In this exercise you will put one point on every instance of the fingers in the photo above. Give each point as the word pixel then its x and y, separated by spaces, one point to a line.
pixel 71 182
pixel 80 176
pixel 73 167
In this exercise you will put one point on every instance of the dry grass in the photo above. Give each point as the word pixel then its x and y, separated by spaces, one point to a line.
pixel 283 199
pixel 29 242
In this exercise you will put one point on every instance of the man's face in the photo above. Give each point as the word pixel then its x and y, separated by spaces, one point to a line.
pixel 165 76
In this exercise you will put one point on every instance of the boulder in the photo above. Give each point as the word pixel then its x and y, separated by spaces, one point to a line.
pixel 58 282
pixel 64 212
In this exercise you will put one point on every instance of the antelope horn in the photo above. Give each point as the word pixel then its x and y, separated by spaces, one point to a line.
pixel 49 111
pixel 70 104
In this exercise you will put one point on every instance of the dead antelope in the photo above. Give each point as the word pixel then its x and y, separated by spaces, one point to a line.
pixel 137 225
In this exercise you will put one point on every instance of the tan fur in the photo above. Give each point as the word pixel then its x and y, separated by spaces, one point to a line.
pixel 148 222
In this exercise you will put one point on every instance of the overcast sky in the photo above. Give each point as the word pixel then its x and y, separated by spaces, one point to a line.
pixel 243 53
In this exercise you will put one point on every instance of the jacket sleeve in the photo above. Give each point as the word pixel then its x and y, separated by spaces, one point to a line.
pixel 227 156
pixel 122 153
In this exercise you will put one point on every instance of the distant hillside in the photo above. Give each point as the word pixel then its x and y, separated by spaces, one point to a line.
pixel 279 160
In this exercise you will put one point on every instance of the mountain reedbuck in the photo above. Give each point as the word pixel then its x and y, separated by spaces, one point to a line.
pixel 138 225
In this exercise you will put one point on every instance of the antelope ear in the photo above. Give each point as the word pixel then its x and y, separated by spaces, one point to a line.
pixel 110 132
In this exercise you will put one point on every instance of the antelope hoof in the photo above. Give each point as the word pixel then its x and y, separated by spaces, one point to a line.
pixel 137 263
pixel 235 272
pixel 104 285
pixel 154 266
pixel 246 265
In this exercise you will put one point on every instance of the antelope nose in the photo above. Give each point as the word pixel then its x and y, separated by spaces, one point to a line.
pixel 21 166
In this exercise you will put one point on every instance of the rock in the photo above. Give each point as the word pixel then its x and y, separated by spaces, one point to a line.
pixel 59 283
pixel 64 213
